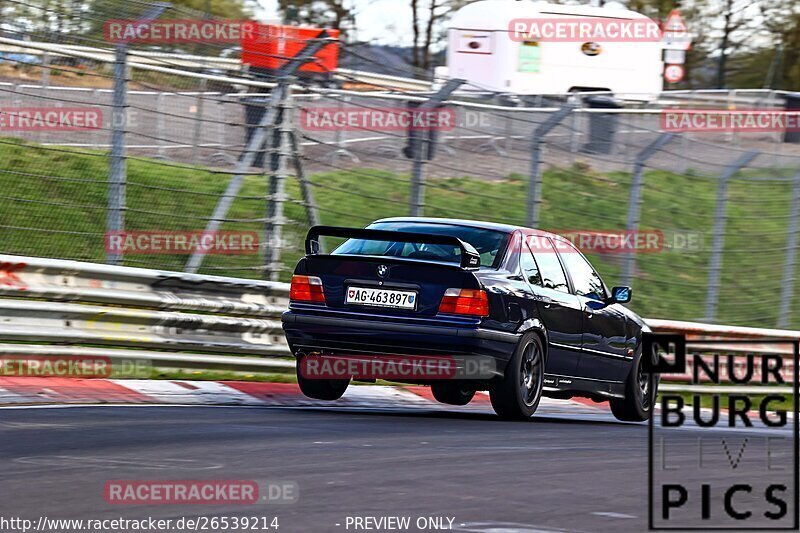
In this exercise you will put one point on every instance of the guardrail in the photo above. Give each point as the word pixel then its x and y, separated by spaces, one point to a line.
pixel 169 318
pixel 51 307
pixel 162 60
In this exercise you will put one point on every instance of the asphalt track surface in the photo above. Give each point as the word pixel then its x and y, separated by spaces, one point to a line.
pixel 554 473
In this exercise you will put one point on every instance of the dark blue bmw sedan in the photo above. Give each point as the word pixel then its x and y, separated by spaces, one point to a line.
pixel 525 300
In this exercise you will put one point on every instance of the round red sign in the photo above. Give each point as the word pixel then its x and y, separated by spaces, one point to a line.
pixel 673 73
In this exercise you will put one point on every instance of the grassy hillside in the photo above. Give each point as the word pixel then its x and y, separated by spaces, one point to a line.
pixel 53 204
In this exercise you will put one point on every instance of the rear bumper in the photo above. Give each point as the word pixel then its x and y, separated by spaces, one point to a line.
pixel 335 334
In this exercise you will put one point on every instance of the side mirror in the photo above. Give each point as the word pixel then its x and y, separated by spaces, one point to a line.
pixel 620 295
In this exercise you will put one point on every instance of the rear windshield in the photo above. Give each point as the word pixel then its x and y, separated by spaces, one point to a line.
pixel 489 243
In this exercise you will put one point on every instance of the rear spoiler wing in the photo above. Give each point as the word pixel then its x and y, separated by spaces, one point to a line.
pixel 470 258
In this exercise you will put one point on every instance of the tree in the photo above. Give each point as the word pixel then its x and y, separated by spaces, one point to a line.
pixel 226 9
pixel 322 13
pixel 426 29
pixel 93 14
pixel 655 9
pixel 695 19
pixel 730 27
pixel 782 23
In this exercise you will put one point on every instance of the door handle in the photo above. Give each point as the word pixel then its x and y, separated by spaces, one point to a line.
pixel 589 313
pixel 547 301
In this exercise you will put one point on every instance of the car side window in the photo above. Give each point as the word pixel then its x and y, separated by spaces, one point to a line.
pixel 586 281
pixel 552 274
pixel 528 265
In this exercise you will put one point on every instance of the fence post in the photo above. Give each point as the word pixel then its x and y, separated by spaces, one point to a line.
pixel 276 195
pixel 257 140
pixel 115 221
pixel 535 185
pixel 339 138
pixel 16 99
pixel 160 126
pixel 635 199
pixel 245 162
pixel 115 218
pixel 98 131
pixel 787 286
pixel 718 236
pixel 198 121
pixel 419 148
pixel 45 70
pixel 417 193
pixel 306 190
pixel 573 135
pixel 221 124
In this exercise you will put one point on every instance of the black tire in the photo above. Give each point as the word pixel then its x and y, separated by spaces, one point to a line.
pixel 321 389
pixel 452 393
pixel 517 395
pixel 635 407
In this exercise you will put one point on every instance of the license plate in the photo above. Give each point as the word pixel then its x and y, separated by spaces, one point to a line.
pixel 381 297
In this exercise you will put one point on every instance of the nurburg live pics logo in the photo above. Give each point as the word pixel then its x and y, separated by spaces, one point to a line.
pixel 730 460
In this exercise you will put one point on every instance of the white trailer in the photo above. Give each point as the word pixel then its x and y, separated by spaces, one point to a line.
pixel 481 50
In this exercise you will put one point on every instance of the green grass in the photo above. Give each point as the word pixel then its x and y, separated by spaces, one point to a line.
pixel 53 204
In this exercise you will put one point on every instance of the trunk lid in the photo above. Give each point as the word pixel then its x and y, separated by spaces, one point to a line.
pixel 426 281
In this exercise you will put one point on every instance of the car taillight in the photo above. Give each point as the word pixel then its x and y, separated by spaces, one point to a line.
pixel 465 302
pixel 306 289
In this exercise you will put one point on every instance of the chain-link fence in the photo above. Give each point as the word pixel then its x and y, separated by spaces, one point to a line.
pixel 186 149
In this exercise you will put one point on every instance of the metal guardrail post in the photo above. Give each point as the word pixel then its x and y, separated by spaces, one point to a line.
pixel 535 185
pixel 256 143
pixel 787 284
pixel 718 237
pixel 635 200
pixel 420 153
